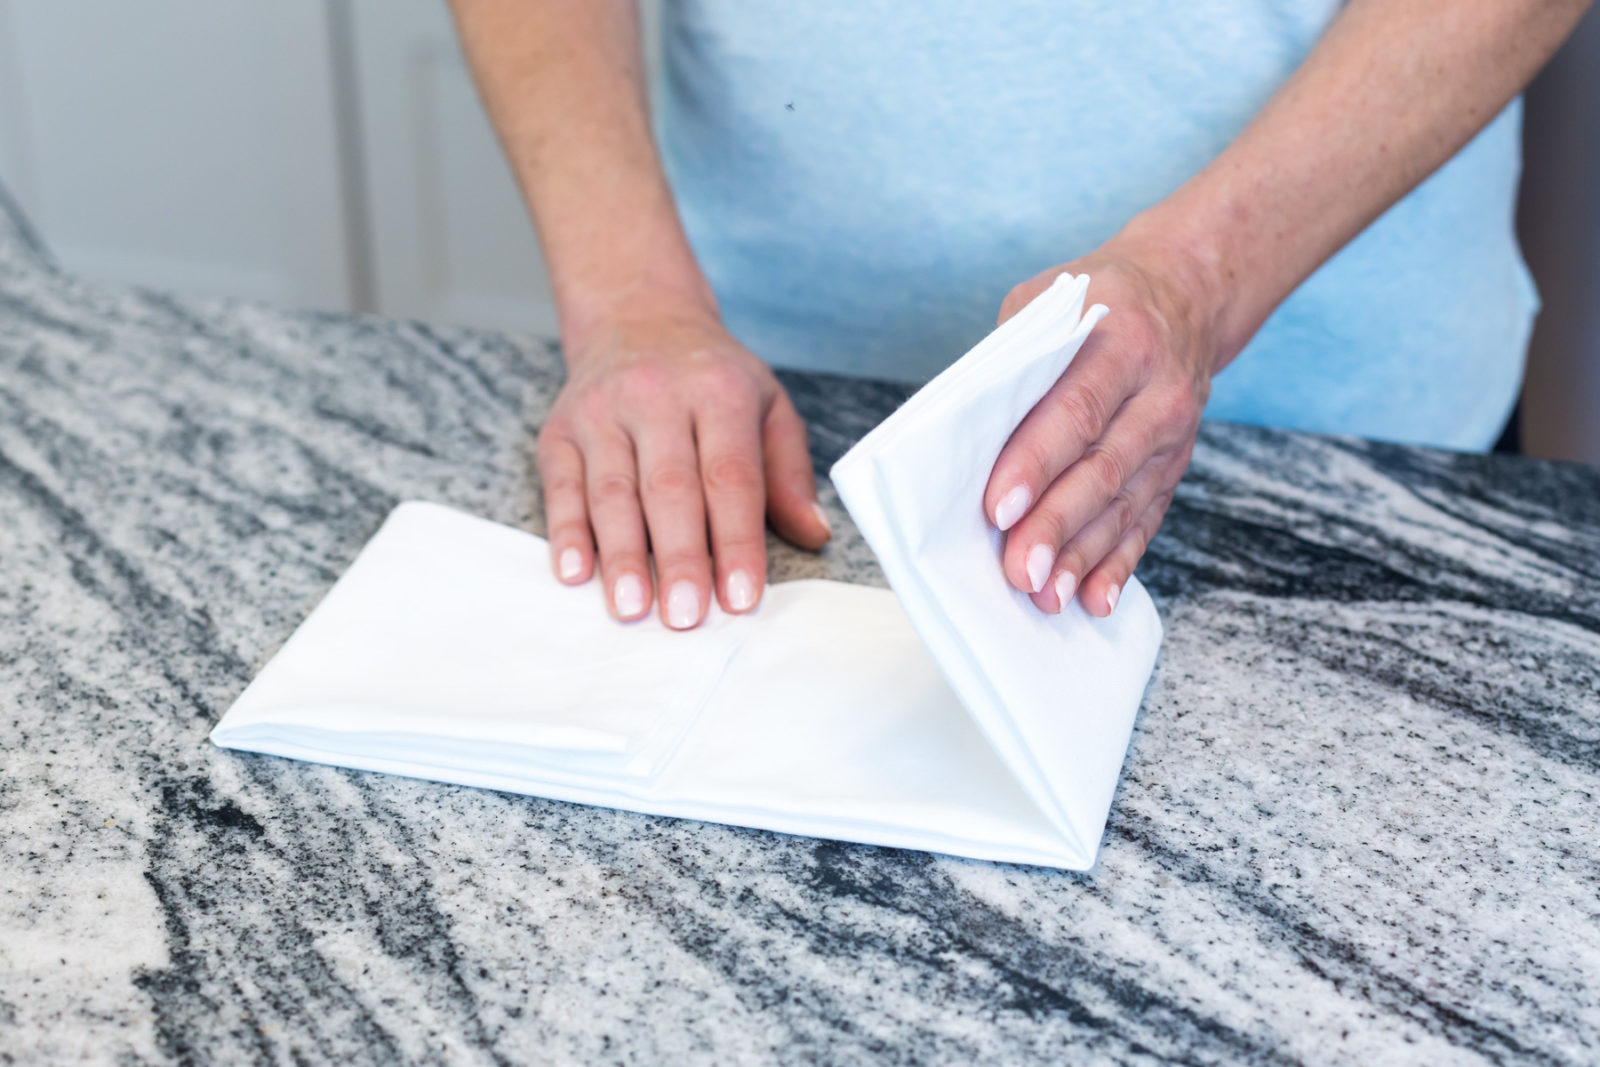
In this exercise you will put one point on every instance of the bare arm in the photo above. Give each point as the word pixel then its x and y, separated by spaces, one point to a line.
pixel 563 81
pixel 1387 96
pixel 667 426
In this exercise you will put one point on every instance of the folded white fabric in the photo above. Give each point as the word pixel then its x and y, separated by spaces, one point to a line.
pixel 448 651
pixel 1055 695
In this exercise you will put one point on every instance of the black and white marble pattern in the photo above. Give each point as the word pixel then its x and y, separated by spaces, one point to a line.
pixel 1358 823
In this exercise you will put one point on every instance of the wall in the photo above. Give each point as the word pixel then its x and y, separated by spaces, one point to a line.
pixel 1560 227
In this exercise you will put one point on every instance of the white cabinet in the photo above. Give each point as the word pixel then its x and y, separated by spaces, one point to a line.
pixel 323 153
pixel 179 143
pixel 450 239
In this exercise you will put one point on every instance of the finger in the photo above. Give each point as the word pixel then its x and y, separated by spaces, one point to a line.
pixel 675 512
pixel 1097 538
pixel 1105 583
pixel 566 512
pixel 611 479
pixel 1023 295
pixel 791 483
pixel 1060 429
pixel 1081 494
pixel 729 439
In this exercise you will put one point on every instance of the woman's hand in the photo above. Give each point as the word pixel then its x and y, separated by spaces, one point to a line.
pixel 1086 478
pixel 668 432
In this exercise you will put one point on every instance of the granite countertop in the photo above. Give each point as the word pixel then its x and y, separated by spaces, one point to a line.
pixel 1357 824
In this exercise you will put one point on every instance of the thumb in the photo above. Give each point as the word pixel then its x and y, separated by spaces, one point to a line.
pixel 791 486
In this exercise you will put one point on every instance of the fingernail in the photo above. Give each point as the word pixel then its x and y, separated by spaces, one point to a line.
pixel 1111 599
pixel 1012 507
pixel 628 596
pixel 1039 559
pixel 741 591
pixel 1066 585
pixel 683 605
pixel 822 517
pixel 571 564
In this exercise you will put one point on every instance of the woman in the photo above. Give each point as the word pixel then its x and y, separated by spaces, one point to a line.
pixel 1309 203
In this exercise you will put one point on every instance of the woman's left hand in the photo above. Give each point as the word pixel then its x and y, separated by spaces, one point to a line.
pixel 1085 480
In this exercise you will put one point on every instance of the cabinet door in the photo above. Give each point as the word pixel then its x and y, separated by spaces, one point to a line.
pixel 184 144
pixel 450 238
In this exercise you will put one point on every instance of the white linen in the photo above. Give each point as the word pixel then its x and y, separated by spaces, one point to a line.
pixel 1056 695
pixel 448 651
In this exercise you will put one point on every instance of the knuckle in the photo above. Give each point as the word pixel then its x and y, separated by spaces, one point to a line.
pixel 1107 468
pixel 1179 410
pixel 732 473
pixel 1082 412
pixel 1138 539
pixel 1034 456
pixel 1122 512
pixel 562 485
pixel 1173 463
pixel 613 487
pixel 722 381
pixel 1126 559
pixel 554 435
pixel 671 479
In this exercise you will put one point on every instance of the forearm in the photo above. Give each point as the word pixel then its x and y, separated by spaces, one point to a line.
pixel 563 83
pixel 1389 94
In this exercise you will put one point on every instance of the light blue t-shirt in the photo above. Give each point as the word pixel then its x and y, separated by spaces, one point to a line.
pixel 864 180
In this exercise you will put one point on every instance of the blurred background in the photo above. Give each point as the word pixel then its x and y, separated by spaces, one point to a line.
pixel 333 154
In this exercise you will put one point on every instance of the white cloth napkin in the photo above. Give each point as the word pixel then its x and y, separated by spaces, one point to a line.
pixel 448 651
pixel 1055 695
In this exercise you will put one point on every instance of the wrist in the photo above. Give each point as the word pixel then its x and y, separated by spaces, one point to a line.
pixel 1193 265
pixel 593 309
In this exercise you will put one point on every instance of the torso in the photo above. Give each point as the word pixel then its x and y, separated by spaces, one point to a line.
pixel 863 182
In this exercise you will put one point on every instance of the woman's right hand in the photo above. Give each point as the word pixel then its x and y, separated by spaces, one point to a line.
pixel 670 438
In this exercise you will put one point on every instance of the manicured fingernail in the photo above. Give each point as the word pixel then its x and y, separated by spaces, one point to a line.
pixel 628 596
pixel 1039 559
pixel 1111 599
pixel 683 605
pixel 741 591
pixel 1066 585
pixel 822 517
pixel 571 564
pixel 1012 507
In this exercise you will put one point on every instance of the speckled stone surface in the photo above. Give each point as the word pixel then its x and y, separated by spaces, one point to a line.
pixel 1358 823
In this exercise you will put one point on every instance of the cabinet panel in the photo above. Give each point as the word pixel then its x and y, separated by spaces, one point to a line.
pixel 451 240
pixel 179 143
